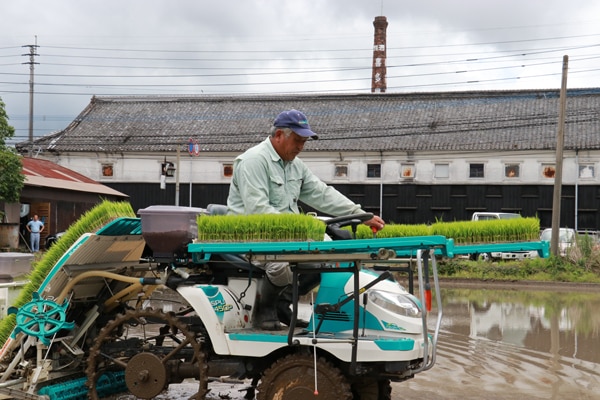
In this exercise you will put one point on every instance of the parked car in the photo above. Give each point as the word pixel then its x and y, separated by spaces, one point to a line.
pixel 566 238
pixel 51 239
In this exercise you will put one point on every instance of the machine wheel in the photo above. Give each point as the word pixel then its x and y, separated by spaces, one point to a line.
pixel 142 352
pixel 372 389
pixel 293 378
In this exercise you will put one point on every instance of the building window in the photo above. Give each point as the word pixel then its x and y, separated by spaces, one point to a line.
pixel 227 170
pixel 341 171
pixel 512 170
pixel 407 171
pixel 373 170
pixel 107 171
pixel 548 171
pixel 586 171
pixel 475 170
pixel 441 171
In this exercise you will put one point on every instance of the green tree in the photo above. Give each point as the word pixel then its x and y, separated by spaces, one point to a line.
pixel 11 177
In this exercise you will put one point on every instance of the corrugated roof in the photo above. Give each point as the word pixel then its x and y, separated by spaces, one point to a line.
pixel 44 173
pixel 47 169
pixel 448 121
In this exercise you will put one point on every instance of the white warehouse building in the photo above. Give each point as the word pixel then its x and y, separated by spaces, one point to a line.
pixel 413 158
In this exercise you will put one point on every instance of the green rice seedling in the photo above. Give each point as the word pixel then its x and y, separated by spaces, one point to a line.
pixel 489 231
pixel 393 230
pixel 90 221
pixel 463 232
pixel 259 228
pixel 456 230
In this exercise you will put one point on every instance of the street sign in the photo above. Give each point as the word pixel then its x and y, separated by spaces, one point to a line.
pixel 193 147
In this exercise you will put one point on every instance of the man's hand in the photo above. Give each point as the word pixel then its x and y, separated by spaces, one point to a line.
pixel 375 222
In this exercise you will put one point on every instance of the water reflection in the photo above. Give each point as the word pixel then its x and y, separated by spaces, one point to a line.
pixel 565 323
pixel 504 344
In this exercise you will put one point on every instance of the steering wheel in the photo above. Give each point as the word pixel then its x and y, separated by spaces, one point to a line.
pixel 334 225
pixel 346 220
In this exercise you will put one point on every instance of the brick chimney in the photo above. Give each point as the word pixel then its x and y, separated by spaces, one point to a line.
pixel 378 82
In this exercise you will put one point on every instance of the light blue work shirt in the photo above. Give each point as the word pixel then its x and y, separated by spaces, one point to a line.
pixel 35 226
pixel 263 183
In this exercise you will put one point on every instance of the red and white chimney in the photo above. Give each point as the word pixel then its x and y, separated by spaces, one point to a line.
pixel 378 82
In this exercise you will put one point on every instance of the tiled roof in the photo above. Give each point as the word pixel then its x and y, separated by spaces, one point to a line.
pixel 442 121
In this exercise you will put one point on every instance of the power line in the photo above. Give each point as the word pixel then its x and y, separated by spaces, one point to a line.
pixel 305 74
pixel 312 51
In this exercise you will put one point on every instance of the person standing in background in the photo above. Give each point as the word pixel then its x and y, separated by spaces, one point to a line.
pixel 35 227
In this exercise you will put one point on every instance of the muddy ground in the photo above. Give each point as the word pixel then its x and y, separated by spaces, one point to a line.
pixel 465 370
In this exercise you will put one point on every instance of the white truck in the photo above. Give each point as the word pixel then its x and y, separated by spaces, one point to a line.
pixel 490 256
pixel 483 216
pixel 566 238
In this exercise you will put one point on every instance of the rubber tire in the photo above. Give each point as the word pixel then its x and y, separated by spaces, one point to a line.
pixel 372 389
pixel 292 378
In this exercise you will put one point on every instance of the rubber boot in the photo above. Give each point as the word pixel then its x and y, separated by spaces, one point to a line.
pixel 284 310
pixel 307 282
pixel 266 312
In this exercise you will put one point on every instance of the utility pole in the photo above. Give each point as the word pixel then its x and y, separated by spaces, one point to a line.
pixel 32 53
pixel 560 144
pixel 177 176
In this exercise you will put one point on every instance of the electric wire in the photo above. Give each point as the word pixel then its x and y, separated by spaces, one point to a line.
pixel 531 54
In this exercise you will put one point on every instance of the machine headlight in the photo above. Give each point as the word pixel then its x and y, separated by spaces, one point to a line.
pixel 397 303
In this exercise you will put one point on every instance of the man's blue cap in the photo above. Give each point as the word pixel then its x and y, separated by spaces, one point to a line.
pixel 296 121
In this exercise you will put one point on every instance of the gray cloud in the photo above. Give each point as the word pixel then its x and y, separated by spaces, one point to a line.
pixel 145 47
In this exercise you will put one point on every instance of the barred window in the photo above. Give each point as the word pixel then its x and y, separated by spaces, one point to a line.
pixel 441 171
pixel 476 170
pixel 341 171
pixel 227 170
pixel 512 170
pixel 107 170
pixel 587 171
pixel 373 170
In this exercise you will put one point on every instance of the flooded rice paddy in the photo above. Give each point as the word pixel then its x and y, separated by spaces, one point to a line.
pixel 513 343
pixel 502 343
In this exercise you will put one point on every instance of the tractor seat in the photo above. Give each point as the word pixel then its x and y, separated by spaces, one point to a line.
pixel 217 209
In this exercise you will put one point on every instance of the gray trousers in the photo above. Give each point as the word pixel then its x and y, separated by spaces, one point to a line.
pixel 34 239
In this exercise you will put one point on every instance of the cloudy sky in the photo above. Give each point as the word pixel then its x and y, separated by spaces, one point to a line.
pixel 195 47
